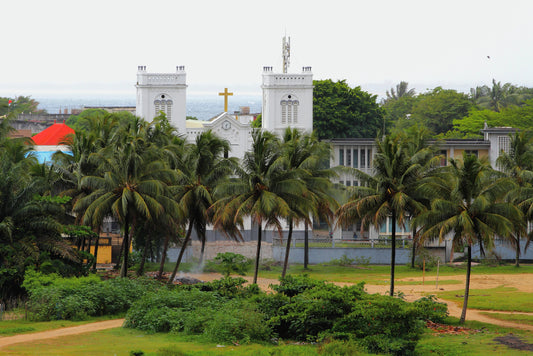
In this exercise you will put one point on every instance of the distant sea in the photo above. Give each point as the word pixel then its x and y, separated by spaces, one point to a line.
pixel 201 107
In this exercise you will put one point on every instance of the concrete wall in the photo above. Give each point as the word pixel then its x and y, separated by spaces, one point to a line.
pixel 379 256
pixel 504 251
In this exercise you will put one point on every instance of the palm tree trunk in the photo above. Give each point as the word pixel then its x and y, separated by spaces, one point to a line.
pixel 306 246
pixel 392 253
pixel 126 247
pixel 147 245
pixel 163 257
pixel 182 251
pixel 96 243
pixel 202 249
pixel 467 284
pixel 287 249
pixel 258 252
pixel 413 251
pixel 517 260
pixel 119 263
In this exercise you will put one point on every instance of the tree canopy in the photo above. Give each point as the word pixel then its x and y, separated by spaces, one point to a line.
pixel 340 111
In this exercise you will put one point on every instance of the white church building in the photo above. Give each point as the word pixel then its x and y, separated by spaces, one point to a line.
pixel 287 102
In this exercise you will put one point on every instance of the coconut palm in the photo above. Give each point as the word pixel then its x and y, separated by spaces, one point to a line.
pixel 400 92
pixel 263 192
pixel 469 206
pixel 388 194
pixel 518 165
pixel 303 154
pixel 202 168
pixel 130 186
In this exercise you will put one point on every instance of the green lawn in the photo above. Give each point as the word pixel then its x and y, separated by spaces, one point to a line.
pixel 121 341
pixel 515 318
pixel 501 298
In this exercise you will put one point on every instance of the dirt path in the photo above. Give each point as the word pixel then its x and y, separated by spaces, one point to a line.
pixel 522 282
pixel 73 330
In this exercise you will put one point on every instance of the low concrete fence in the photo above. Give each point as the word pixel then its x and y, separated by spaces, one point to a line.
pixel 326 250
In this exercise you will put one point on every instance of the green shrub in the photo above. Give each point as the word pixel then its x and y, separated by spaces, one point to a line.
pixel 383 324
pixel 229 262
pixel 228 287
pixel 314 310
pixel 294 285
pixel 53 298
pixel 429 309
pixel 340 348
pixel 166 310
pixel 237 323
pixel 343 261
pixel 425 258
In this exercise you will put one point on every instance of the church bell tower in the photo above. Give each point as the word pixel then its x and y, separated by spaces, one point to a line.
pixel 287 98
pixel 162 92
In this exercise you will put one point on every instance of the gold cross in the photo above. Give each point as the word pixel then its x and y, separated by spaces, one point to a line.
pixel 225 94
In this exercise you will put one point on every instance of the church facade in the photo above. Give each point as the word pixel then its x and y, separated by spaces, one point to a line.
pixel 287 102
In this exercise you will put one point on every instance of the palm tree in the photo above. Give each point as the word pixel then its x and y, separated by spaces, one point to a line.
pixel 202 168
pixel 468 205
pixel 263 192
pixel 303 154
pixel 387 194
pixel 400 92
pixel 517 163
pixel 129 188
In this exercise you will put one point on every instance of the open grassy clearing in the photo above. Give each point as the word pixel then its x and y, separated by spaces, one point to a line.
pixel 21 326
pixel 516 318
pixel 498 299
pixel 121 341
pixel 478 342
pixel 378 273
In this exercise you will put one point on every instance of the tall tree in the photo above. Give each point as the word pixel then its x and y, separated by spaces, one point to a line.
pixel 129 186
pixel 340 111
pixel 400 92
pixel 304 154
pixel 202 168
pixel 263 192
pixel 439 108
pixel 469 206
pixel 517 163
pixel 386 194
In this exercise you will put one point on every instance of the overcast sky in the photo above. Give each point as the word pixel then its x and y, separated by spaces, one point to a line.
pixel 94 47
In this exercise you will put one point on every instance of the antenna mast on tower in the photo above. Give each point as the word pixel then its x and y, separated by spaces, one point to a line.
pixel 286 52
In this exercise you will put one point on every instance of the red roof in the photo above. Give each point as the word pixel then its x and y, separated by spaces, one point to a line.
pixel 53 135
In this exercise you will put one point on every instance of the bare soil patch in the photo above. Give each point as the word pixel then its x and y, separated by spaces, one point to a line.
pixel 514 342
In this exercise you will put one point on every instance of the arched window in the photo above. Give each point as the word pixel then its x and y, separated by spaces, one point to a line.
pixel 289 110
pixel 163 103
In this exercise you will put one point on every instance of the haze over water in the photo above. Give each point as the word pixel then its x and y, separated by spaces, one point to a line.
pixel 201 107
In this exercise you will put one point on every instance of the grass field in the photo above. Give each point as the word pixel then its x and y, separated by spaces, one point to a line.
pixel 480 340
pixel 499 299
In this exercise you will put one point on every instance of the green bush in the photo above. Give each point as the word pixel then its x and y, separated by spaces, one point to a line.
pixel 199 312
pixel 53 298
pixel 229 262
pixel 340 348
pixel 237 322
pixel 167 310
pixel 429 309
pixel 315 310
pixel 382 324
pixel 294 285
